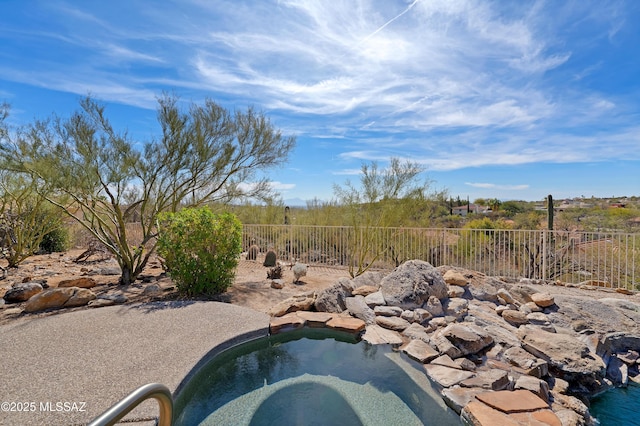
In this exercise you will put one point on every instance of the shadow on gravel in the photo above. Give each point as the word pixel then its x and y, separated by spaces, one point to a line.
pixel 161 305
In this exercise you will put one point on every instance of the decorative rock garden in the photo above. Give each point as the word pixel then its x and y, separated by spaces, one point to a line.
pixel 500 352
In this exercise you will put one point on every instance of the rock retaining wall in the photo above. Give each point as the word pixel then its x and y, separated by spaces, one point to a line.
pixel 500 353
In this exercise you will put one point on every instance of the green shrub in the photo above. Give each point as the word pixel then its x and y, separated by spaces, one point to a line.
pixel 55 241
pixel 200 249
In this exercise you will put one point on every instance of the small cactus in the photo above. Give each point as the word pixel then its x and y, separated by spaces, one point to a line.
pixel 270 259
pixel 252 254
pixel 299 271
pixel 274 273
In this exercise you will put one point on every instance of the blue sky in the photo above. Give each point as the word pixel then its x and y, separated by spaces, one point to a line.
pixel 506 99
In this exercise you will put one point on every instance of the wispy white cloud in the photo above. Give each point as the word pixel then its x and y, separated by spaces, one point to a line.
pixel 497 186
pixel 448 83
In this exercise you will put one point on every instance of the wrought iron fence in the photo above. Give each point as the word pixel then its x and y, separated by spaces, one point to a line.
pixel 604 259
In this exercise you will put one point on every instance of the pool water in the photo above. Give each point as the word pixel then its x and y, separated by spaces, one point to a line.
pixel 618 407
pixel 310 377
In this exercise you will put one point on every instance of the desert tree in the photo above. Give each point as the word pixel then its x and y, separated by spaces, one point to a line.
pixel 26 217
pixel 115 187
pixel 385 197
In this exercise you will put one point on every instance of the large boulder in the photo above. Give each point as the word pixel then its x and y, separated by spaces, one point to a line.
pixel 469 339
pixel 411 284
pixel 332 299
pixel 565 354
pixel 22 292
pixel 56 298
pixel 357 307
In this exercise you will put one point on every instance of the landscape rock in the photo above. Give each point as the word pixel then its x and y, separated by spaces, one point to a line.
pixel 456 307
pixel 455 278
pixel 56 298
pixel 83 282
pixel 514 317
pixel 388 311
pixel 412 283
pixel 505 296
pixel 469 339
pixel 408 315
pixel 278 284
pixel 446 376
pixel 513 401
pixel 285 323
pixel 455 291
pixel 357 307
pixel 152 290
pixel 544 300
pixel 434 306
pixel 302 302
pixel 420 351
pixel 478 414
pixel 533 307
pixel 348 325
pixel 374 299
pixel 416 331
pixel 369 278
pixel 535 385
pixel 487 290
pixel 376 335
pixel 458 397
pixel 465 364
pixel 422 316
pixel 532 365
pixel 630 357
pixel 365 290
pixel 492 379
pixel 109 271
pixel 446 361
pixel 392 323
pixel 315 319
pixel 618 372
pixel 80 297
pixel 22 292
pixel 332 299
pixel 569 418
pixel 108 300
pixel 565 354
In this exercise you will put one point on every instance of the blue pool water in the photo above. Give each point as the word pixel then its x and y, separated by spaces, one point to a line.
pixel 618 407
pixel 310 377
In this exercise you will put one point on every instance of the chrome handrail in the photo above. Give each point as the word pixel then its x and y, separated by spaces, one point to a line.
pixel 159 392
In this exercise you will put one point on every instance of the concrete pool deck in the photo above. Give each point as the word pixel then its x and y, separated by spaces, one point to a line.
pixel 95 357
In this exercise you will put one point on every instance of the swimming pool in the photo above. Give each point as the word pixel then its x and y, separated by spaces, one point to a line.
pixel 310 377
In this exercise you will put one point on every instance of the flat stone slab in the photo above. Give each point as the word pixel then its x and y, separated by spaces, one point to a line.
pixel 513 401
pixel 478 414
pixel 346 324
pixel 420 351
pixel 493 379
pixel 541 417
pixel 445 376
pixel 457 398
pixel 315 319
pixel 377 335
pixel 446 361
pixel 286 323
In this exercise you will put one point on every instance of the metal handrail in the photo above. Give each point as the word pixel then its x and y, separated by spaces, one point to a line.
pixel 159 392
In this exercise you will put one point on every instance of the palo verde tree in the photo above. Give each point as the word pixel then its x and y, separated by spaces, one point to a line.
pixel 25 215
pixel 384 198
pixel 108 181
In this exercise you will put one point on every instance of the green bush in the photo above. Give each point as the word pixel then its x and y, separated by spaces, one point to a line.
pixel 200 249
pixel 55 241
